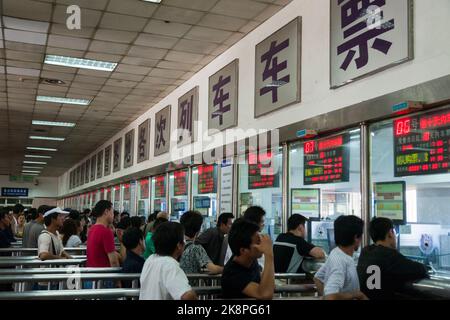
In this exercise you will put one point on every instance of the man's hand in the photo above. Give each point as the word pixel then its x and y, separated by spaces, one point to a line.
pixel 360 296
pixel 265 245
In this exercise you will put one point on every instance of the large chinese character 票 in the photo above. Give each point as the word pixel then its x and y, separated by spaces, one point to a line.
pixel 162 131
pixel 187 114
pixel 277 72
pixel 367 35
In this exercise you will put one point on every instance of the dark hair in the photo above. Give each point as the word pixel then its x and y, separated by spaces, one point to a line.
pixel 379 228
pixel 33 213
pixel 3 213
pixel 166 238
pixel 295 220
pixel 42 209
pixel 123 214
pixel 18 208
pixel 74 214
pixel 101 207
pixel 69 228
pixel 223 218
pixel 192 222
pixel 124 224
pixel 48 219
pixel 241 234
pixel 86 211
pixel 158 222
pixel 151 217
pixel 136 222
pixel 254 214
pixel 346 228
pixel 131 238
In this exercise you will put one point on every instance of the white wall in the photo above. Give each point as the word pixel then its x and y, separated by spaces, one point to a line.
pixel 432 60
pixel 47 187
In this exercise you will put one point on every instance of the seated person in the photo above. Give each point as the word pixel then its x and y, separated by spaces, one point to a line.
pixel 134 262
pixel 290 248
pixel 50 246
pixel 337 279
pixel 149 245
pixel 395 268
pixel 194 257
pixel 162 278
pixel 241 276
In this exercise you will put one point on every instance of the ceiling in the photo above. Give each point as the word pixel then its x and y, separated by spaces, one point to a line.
pixel 157 48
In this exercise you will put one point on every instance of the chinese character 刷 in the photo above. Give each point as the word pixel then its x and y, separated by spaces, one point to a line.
pixel 220 98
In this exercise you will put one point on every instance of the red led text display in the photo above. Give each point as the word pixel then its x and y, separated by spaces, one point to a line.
pixel 143 185
pixel 207 179
pixel 421 144
pixel 326 160
pixel 160 187
pixel 261 171
pixel 108 194
pixel 126 192
pixel 180 183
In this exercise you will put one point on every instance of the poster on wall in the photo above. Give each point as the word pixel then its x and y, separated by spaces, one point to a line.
pixel 144 189
pixel 128 158
pixel 226 186
pixel 117 154
pixel 87 170
pixel 107 170
pixel 187 117
pixel 368 37
pixel 223 98
pixel 143 141
pixel 390 201
pixel 207 179
pixel 100 164
pixel 162 131
pixel 93 165
pixel 278 69
pixel 306 202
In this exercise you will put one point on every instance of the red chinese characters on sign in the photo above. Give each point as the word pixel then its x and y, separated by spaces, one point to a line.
pixel 180 183
pixel 206 179
pixel 143 185
pixel 261 171
pixel 160 186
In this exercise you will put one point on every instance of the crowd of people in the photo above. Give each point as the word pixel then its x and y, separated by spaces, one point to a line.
pixel 164 252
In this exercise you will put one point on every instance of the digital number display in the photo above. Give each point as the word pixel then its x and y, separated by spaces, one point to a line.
pixel 261 172
pixel 180 183
pixel 160 186
pixel 421 144
pixel 326 160
pixel 207 179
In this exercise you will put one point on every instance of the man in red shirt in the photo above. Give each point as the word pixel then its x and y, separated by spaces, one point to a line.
pixel 101 250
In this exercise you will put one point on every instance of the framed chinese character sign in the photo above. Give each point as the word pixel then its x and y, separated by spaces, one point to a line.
pixel 83 170
pixel 162 131
pixel 99 164
pixel 368 36
pixel 93 165
pixel 107 168
pixel 117 154
pixel 129 148
pixel 223 97
pixel 143 141
pixel 278 69
pixel 87 168
pixel 187 116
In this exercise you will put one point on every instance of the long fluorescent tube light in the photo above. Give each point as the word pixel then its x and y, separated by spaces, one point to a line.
pixel 30 171
pixel 30 167
pixel 47 138
pixel 31 174
pixel 53 123
pixel 34 162
pixel 153 1
pixel 80 102
pixel 80 63
pixel 36 156
pixel 42 149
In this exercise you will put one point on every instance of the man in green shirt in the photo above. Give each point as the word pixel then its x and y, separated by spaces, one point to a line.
pixel 149 245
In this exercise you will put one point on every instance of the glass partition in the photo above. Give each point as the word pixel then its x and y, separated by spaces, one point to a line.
pixel 411 183
pixel 126 196
pixel 159 198
pixel 324 183
pixel 260 184
pixel 109 194
pixel 116 199
pixel 204 193
pixel 178 193
pixel 144 198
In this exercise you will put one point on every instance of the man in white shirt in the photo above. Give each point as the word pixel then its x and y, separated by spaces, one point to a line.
pixel 162 278
pixel 50 246
pixel 338 279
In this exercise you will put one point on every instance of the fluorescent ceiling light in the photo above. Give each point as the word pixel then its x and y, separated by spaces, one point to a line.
pixel 30 171
pixel 153 1
pixel 80 102
pixel 36 156
pixel 30 167
pixel 42 149
pixel 31 174
pixel 34 162
pixel 80 63
pixel 46 138
pixel 53 123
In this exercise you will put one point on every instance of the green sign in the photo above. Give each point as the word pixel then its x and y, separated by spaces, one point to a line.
pixel 29 179
pixel 306 202
pixel 390 201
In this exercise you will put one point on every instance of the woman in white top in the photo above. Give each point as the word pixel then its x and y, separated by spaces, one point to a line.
pixel 71 233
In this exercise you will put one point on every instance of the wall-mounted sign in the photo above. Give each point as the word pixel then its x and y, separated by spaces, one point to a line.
pixel 327 160
pixel 99 164
pixel 107 170
pixel 128 158
pixel 14 192
pixel 187 117
pixel 223 97
pixel 207 179
pixel 390 201
pixel 93 166
pixel 202 202
pixel 126 192
pixel 117 155
pixel 144 189
pixel 162 131
pixel 178 205
pixel 83 173
pixel 278 69
pixel 261 170
pixel 24 178
pixel 226 186
pixel 160 186
pixel 77 176
pixel 180 183
pixel 87 171
pixel 306 202
pixel 422 144
pixel 368 36
pixel 143 146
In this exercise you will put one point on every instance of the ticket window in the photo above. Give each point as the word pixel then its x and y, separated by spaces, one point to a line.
pixel 158 192
pixel 260 184
pixel 178 193
pixel 126 202
pixel 204 193
pixel 324 183
pixel 116 203
pixel 109 194
pixel 144 198
pixel 410 166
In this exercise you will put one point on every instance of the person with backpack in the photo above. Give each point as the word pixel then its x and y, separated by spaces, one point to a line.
pixel 50 246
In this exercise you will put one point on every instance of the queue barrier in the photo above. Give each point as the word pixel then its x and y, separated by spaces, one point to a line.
pixel 24 258
pixel 4 272
pixel 19 251
pixel 17 262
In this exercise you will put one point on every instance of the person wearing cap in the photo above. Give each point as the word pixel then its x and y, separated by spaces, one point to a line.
pixel 50 246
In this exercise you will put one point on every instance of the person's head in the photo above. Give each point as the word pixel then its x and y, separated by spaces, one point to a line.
pixel 133 240
pixel 39 217
pixel 21 219
pixel 382 231
pixel 255 214
pixel 123 225
pixel 192 222
pixel 224 222
pixel 168 239
pixel 158 222
pixel 70 227
pixel 244 234
pixel 124 215
pixel 162 214
pixel 74 214
pixel 86 212
pixel 296 225
pixel 4 218
pixel 348 231
pixel 104 210
pixel 116 216
pixel 136 222
pixel 32 214
pixel 151 217
pixel 54 218
pixel 18 209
